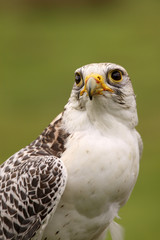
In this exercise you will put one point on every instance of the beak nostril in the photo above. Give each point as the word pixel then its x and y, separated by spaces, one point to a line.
pixel 95 85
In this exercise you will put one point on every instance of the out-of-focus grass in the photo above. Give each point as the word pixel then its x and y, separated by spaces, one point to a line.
pixel 39 51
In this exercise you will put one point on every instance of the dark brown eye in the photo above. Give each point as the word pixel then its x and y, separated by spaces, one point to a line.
pixel 78 79
pixel 115 76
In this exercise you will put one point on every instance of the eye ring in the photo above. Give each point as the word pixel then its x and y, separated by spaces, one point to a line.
pixel 78 79
pixel 115 76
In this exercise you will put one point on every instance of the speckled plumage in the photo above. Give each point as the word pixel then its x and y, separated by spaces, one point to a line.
pixel 31 184
pixel 71 181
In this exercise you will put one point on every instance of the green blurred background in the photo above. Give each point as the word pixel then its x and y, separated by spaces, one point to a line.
pixel 43 42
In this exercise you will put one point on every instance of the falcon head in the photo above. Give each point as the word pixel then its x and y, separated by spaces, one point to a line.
pixel 104 88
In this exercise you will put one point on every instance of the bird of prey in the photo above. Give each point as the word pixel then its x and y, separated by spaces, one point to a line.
pixel 71 181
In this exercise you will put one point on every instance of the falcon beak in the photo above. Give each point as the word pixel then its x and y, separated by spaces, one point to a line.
pixel 95 85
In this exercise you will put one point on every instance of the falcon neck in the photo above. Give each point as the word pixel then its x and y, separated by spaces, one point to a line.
pixel 99 117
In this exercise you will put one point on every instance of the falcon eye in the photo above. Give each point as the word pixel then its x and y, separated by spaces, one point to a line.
pixel 115 76
pixel 78 79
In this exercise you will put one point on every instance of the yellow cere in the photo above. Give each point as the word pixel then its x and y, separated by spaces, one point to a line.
pixel 101 85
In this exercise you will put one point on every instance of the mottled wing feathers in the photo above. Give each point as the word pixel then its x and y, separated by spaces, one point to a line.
pixel 28 193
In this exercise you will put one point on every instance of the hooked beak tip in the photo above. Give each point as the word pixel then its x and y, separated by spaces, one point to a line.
pixel 90 97
pixel 91 87
pixel 90 93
